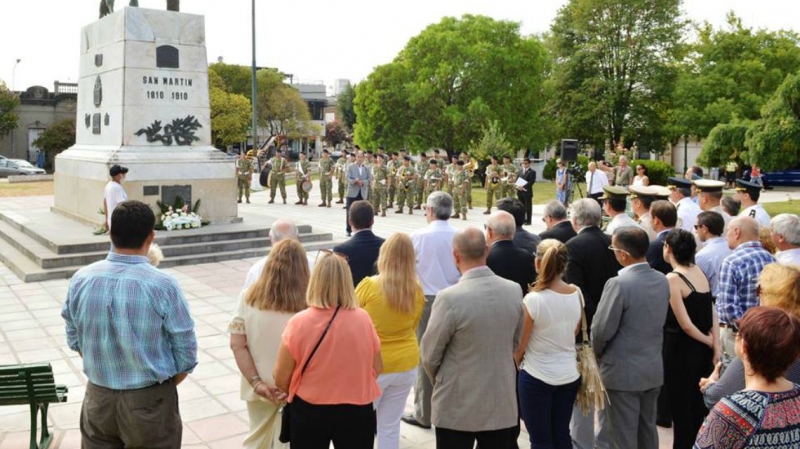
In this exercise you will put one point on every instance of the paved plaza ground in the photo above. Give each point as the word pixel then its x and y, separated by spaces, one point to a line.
pixel 31 330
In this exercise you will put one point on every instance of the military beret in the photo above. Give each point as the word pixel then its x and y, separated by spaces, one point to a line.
pixel 406 157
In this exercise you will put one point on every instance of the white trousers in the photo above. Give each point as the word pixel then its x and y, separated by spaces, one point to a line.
pixel 265 426
pixel 389 407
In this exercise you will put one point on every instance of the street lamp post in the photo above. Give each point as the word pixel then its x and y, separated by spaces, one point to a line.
pixel 254 87
pixel 14 75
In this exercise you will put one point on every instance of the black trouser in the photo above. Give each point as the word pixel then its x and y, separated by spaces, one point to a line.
pixel 527 203
pixel 596 197
pixel 349 202
pixel 145 417
pixel 347 426
pixel 458 439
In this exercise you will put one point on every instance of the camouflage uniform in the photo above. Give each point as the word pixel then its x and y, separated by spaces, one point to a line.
pixel 325 180
pixel 493 190
pixel 459 193
pixel 304 167
pixel 279 165
pixel 433 181
pixel 405 188
pixel 392 166
pixel 449 169
pixel 509 190
pixel 244 174
pixel 341 177
pixel 379 188
pixel 469 174
pixel 422 168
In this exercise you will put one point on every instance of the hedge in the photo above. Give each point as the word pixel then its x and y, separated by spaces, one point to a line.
pixel 657 171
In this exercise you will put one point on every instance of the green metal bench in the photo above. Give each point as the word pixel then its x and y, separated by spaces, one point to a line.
pixel 34 385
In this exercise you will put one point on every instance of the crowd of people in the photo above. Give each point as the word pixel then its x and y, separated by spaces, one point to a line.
pixel 692 327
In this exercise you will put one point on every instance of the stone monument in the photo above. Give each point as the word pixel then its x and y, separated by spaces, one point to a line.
pixel 143 104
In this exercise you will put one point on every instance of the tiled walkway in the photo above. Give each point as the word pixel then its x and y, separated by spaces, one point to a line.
pixel 31 330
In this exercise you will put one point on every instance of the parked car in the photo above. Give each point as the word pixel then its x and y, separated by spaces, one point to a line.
pixel 778 178
pixel 12 167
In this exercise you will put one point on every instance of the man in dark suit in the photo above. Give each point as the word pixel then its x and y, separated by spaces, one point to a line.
pixel 558 227
pixel 525 193
pixel 506 260
pixel 522 238
pixel 363 247
pixel 627 343
pixel 590 265
pixel 664 216
pixel 358 182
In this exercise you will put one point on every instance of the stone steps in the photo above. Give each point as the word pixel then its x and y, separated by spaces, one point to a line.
pixel 34 256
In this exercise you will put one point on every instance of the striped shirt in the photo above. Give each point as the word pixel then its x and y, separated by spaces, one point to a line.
pixel 130 322
pixel 738 280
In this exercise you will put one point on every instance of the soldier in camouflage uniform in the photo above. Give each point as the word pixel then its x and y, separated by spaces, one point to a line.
pixel 326 178
pixel 405 186
pixel 380 176
pixel 469 173
pixel 341 175
pixel 459 179
pixel 244 174
pixel 422 167
pixel 392 165
pixel 493 191
pixel 279 168
pixel 302 172
pixel 510 173
pixel 369 161
pixel 433 178
pixel 449 169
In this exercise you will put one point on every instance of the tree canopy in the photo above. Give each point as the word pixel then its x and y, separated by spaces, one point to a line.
pixel 345 106
pixel 615 64
pixel 230 112
pixel 8 113
pixel 281 109
pixel 774 141
pixel 452 80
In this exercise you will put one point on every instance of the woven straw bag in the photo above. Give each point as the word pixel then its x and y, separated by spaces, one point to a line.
pixel 592 391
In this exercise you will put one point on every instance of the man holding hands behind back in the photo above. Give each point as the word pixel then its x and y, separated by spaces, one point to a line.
pixel 358 182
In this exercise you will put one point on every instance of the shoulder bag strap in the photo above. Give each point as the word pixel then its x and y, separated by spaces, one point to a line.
pixel 322 337
pixel 584 333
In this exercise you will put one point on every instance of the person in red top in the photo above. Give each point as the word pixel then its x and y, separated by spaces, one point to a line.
pixel 332 392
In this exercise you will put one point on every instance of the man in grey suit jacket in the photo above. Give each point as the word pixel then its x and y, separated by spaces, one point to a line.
pixel 467 351
pixel 358 181
pixel 627 336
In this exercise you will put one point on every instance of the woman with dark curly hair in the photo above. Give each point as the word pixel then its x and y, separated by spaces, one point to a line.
pixel 691 337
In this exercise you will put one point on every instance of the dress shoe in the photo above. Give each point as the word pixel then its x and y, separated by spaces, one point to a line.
pixel 409 419
pixel 270 201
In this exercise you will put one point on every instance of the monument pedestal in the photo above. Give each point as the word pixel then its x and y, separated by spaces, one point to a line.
pixel 143 104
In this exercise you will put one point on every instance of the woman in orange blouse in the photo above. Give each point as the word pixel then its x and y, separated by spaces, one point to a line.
pixel 332 399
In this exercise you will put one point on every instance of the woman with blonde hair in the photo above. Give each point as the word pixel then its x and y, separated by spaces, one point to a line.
pixel 778 286
pixel 548 375
pixel 394 300
pixel 256 327
pixel 328 362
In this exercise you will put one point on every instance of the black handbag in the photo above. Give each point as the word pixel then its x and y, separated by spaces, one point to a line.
pixel 286 430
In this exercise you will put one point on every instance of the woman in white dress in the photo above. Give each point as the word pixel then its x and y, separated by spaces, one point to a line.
pixel 256 328
pixel 641 178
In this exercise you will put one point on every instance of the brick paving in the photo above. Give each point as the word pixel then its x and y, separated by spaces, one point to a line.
pixel 31 330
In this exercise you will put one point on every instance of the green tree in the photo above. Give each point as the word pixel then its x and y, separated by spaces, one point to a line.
pixel 725 141
pixel 56 138
pixel 774 140
pixel 236 79
pixel 281 109
pixel 230 113
pixel 615 65
pixel 449 82
pixel 492 143
pixel 8 110
pixel 731 73
pixel 345 106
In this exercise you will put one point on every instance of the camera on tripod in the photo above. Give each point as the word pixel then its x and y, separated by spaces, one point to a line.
pixel 569 156
pixel 575 170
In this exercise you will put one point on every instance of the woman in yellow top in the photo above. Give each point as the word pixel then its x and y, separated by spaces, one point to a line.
pixel 394 300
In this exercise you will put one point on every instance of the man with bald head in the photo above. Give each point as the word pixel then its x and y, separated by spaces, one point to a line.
pixel 467 351
pixel 505 259
pixel 281 229
pixel 738 277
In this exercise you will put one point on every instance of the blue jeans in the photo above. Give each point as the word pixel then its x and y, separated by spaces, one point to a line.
pixel 547 410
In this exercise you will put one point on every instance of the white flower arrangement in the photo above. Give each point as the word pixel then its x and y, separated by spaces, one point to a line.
pixel 180 219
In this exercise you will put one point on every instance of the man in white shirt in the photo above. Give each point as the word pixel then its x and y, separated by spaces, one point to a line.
pixel 595 181
pixel 748 193
pixel 114 193
pixel 786 236
pixel 281 229
pixel 614 201
pixel 681 197
pixel 437 270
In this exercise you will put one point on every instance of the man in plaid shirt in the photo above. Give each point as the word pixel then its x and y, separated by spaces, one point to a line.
pixel 738 277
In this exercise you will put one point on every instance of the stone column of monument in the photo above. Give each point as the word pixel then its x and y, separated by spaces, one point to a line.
pixel 143 104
